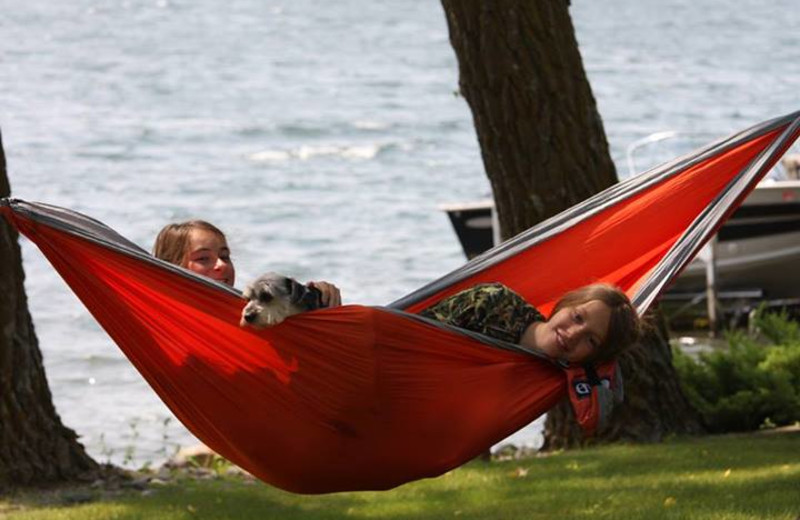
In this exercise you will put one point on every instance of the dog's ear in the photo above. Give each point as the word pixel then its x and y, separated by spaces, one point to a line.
pixel 290 286
pixel 295 290
pixel 313 298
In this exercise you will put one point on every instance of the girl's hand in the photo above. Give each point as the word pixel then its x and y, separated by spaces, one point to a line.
pixel 331 297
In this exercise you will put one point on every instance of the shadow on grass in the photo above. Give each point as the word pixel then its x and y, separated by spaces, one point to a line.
pixel 715 478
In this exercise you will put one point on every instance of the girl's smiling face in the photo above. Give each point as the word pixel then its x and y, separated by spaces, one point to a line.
pixel 574 333
pixel 207 254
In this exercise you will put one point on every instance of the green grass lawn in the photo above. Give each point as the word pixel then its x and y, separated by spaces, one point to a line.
pixel 754 476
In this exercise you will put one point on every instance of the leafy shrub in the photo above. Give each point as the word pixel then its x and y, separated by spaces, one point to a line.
pixel 751 383
pixel 776 327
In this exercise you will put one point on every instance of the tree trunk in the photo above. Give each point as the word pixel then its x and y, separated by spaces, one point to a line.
pixel 544 150
pixel 35 447
pixel 541 137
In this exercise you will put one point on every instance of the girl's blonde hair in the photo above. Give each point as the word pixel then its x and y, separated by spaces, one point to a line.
pixel 173 240
pixel 624 327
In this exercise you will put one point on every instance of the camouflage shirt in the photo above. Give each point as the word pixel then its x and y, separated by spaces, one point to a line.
pixel 491 309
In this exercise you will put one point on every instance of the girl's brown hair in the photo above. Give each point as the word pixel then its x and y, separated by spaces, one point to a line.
pixel 172 241
pixel 624 327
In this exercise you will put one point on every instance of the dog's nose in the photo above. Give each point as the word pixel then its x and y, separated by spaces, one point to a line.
pixel 250 317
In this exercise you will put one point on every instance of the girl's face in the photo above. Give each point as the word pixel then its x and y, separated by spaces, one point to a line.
pixel 208 255
pixel 573 334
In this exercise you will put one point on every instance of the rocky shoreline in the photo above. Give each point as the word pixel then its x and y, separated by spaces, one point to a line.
pixel 108 481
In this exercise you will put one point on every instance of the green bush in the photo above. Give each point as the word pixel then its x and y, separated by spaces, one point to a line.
pixel 752 383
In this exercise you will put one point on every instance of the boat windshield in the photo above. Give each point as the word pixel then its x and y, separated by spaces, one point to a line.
pixel 657 148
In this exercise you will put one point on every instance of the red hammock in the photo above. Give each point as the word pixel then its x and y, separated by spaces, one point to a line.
pixel 357 398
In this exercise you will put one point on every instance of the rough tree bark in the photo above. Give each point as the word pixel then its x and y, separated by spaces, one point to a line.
pixel 35 447
pixel 541 136
pixel 544 149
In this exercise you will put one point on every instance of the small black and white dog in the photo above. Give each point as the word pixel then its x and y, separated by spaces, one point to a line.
pixel 273 297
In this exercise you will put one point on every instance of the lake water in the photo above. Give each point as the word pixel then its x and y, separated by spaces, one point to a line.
pixel 321 136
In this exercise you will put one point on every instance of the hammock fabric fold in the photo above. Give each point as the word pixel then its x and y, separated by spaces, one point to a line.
pixel 357 397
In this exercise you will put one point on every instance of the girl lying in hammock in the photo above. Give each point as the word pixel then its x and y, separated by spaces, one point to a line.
pixel 591 324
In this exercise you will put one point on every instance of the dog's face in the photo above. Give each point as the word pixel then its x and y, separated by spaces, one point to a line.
pixel 269 301
pixel 273 297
